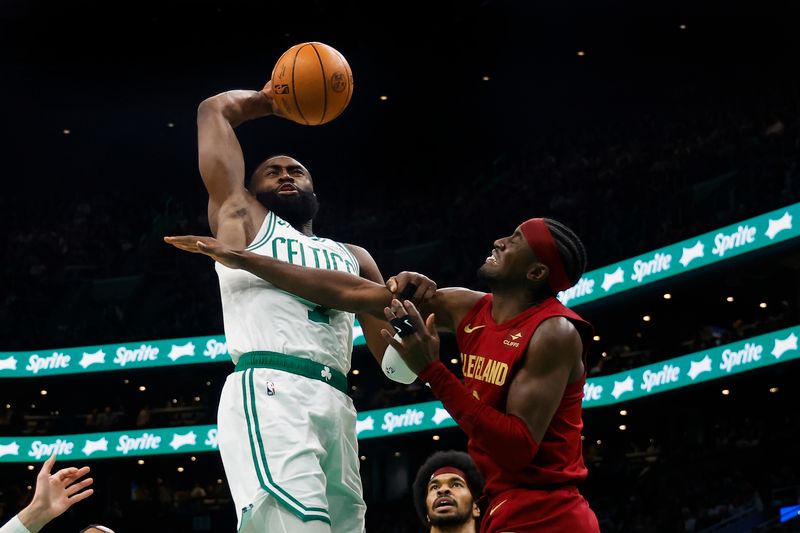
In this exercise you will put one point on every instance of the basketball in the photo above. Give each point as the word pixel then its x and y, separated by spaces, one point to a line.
pixel 312 83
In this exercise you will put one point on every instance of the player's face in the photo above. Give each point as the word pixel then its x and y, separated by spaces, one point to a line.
pixel 283 175
pixel 449 501
pixel 284 186
pixel 511 259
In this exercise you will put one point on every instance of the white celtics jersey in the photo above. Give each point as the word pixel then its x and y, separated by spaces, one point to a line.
pixel 260 317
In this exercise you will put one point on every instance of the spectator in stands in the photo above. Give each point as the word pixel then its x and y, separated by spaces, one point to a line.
pixel 446 493
pixel 54 494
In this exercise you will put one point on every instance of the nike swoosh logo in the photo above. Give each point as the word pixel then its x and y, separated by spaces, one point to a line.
pixel 469 329
pixel 496 507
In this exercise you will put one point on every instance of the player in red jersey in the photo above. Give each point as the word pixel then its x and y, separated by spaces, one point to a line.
pixel 523 359
pixel 523 355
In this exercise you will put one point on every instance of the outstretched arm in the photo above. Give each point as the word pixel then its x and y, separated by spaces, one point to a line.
pixel 329 288
pixel 54 494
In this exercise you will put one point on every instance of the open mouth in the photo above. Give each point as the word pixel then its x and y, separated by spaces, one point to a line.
pixel 492 259
pixel 444 502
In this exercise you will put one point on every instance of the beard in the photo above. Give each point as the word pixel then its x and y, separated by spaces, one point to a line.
pixel 451 520
pixel 294 209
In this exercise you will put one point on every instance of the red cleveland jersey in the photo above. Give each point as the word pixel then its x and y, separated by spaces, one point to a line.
pixel 490 356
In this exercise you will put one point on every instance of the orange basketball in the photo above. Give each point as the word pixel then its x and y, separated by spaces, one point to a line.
pixel 312 83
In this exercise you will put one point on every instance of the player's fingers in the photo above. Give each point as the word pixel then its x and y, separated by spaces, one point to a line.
pixel 430 324
pixel 413 313
pixel 80 496
pixel 398 309
pixel 77 487
pixel 75 473
pixel 48 465
pixel 392 285
pixel 388 337
pixel 388 313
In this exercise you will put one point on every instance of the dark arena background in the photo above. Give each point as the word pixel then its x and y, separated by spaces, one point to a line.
pixel 666 134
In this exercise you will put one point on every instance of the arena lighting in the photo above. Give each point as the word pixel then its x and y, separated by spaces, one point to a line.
pixel 356 371
pixel 126 381
pixel 219 482
pixel 581 53
pixel 384 98
pixel 729 299
pixel 142 388
pixel 485 78
pixel 596 338
pixel 208 383
pixel 454 360
pixel 667 296
pixel 646 318
pixel 43 392
pixel 583 437
pixel 397 454
pixel 197 399
pixel 8 406
pixel 140 461
pixel 30 467
pixel 773 390
pixel 763 305
pixel 66 132
pixel 604 354
pixel 787 513
pixel 193 458
pixel 623 427
pixel 170 125
pixel 180 469
pixel 436 437
pixel 623 413
pixel 599 442
pixel 682 26
pixel 363 457
pixel 725 392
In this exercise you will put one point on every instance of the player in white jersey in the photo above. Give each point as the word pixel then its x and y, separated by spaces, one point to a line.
pixel 286 424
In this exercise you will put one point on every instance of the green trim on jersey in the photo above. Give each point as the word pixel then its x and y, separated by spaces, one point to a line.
pixel 294 365
pixel 350 255
pixel 267 234
pixel 302 512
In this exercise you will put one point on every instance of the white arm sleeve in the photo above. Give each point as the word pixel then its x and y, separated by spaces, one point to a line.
pixel 394 367
pixel 14 526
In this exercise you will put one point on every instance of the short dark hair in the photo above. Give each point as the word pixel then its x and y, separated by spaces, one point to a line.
pixel 570 248
pixel 458 459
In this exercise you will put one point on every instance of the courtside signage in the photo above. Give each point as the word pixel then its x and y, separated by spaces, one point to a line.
pixel 712 247
pixel 132 355
pixel 719 362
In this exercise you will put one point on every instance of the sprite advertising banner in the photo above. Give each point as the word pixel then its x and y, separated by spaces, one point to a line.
pixel 709 248
pixel 719 362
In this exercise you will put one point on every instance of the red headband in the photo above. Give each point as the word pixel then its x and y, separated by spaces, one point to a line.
pixel 541 242
pixel 448 470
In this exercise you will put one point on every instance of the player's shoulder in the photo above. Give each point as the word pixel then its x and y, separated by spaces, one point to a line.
pixel 359 252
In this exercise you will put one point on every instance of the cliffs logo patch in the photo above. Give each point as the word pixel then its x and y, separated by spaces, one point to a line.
pixel 512 340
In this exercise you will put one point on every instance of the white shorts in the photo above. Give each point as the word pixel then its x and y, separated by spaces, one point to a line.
pixel 291 438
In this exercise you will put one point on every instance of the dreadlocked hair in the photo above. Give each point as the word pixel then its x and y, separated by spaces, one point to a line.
pixel 570 248
pixel 455 458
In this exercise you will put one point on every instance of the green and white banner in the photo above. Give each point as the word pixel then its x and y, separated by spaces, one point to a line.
pixel 722 361
pixel 713 247
pixel 138 443
pixel 719 362
pixel 730 241
pixel 132 355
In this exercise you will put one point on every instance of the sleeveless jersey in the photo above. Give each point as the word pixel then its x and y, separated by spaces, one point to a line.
pixel 491 354
pixel 260 317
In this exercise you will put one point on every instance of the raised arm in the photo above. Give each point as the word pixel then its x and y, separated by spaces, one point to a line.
pixel 230 205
